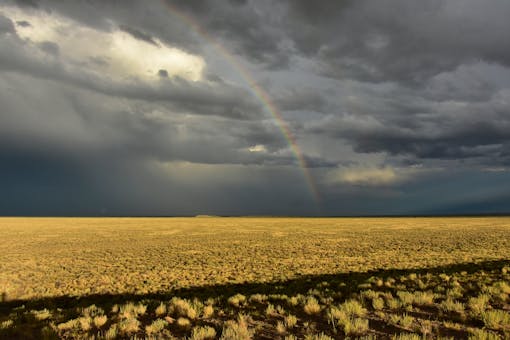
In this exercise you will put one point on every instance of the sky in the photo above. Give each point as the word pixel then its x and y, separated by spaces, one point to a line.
pixel 254 107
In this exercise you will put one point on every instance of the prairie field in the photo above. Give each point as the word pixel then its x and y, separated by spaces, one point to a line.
pixel 262 278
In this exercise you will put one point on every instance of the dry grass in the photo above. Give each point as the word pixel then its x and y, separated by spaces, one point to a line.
pixel 77 256
pixel 263 277
pixel 312 306
pixel 203 333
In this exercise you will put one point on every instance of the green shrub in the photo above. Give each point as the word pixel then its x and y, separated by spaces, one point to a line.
pixel 406 336
pixel 450 305
pixel 454 293
pixel 258 298
pixel 236 330
pixel 311 306
pixel 480 334
pixel 339 315
pixel 394 304
pixel 406 297
pixel 42 314
pixel 290 337
pixel 236 300
pixel 161 309
pixel 92 311
pixel 100 320
pixel 182 308
pixel 423 298
pixel 183 323
pixel 406 321
pixel 369 295
pixel 6 324
pixel 479 304
pixel 130 310
pixel 85 323
pixel 280 328
pixel 356 326
pixel 69 325
pixel 270 310
pixel 203 333
pixel 496 319
pixel 425 327
pixel 353 308
pixel 290 321
pixel 378 303
pixel 130 325
pixel 320 336
pixel 207 311
pixel 156 326
pixel 112 332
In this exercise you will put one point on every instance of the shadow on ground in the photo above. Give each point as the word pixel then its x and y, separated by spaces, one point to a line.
pixel 345 283
pixel 290 287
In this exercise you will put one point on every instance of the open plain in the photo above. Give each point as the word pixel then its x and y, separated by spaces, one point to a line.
pixel 240 278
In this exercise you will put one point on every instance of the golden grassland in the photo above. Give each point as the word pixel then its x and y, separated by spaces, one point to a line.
pixel 242 278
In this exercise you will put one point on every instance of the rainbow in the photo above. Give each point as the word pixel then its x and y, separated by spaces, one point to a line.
pixel 257 90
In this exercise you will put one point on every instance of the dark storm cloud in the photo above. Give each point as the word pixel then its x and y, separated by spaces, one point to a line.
pixel 29 179
pixel 301 99
pixel 163 73
pixel 393 40
pixel 320 162
pixel 27 3
pixel 430 194
pixel 50 47
pixel 138 34
pixel 247 28
pixel 87 124
pixel 396 85
pixel 480 140
pixel 6 25
pixel 60 187
pixel 23 23
pixel 399 40
pixel 426 130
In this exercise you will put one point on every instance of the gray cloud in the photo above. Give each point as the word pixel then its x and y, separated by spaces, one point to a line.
pixel 394 40
pixel 207 99
pixel 248 28
pixel 398 40
pixel 27 3
pixel 418 89
pixel 6 25
pixel 50 47
pixel 423 129
pixel 23 23
pixel 163 73
pixel 139 34
pixel 88 123
pixel 301 99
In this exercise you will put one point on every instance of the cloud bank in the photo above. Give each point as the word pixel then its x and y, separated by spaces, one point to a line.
pixel 398 107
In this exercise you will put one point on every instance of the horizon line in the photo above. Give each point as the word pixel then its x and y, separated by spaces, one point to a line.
pixel 501 214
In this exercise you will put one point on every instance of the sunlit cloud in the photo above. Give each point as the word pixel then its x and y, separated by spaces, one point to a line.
pixel 115 53
pixel 257 148
pixel 496 169
pixel 364 176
